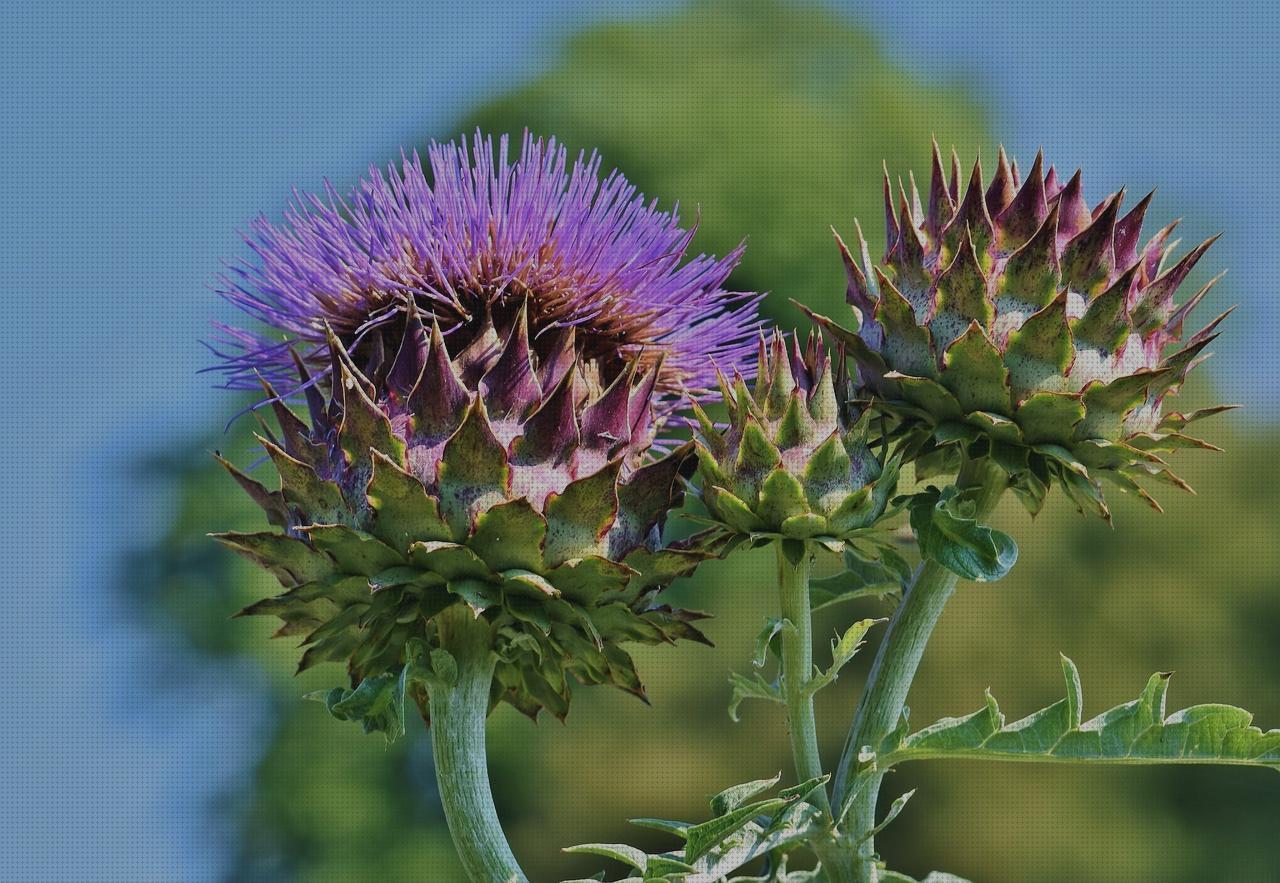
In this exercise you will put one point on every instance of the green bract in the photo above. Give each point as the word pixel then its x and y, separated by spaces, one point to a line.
pixel 504 477
pixel 795 462
pixel 1016 322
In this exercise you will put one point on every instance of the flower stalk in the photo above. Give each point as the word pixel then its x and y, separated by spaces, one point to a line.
pixel 797 668
pixel 892 674
pixel 796 639
pixel 458 715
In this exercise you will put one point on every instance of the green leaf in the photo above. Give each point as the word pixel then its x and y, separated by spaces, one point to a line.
pixel 739 833
pixel 952 537
pixel 531 584
pixel 377 704
pixel 842 651
pixel 702 838
pixel 1135 732
pixel 802 790
pixel 753 687
pixel 895 810
pixel 619 852
pixel 679 829
pixel 765 640
pixel 862 577
pixel 584 581
pixel 733 797
pixel 365 427
pixel 443 665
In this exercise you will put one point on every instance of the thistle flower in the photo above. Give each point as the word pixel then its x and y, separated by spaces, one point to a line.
pixel 1013 320
pixel 499 349
pixel 482 237
pixel 795 462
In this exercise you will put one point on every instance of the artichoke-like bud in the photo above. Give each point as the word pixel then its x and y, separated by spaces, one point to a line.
pixel 488 346
pixel 1013 320
pixel 492 473
pixel 796 461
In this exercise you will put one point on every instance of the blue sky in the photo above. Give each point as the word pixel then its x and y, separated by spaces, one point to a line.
pixel 137 139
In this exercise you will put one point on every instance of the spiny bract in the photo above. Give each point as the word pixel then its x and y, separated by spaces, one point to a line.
pixel 1015 321
pixel 488 476
pixel 795 461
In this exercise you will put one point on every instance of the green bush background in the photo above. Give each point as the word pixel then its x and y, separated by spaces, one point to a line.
pixel 776 127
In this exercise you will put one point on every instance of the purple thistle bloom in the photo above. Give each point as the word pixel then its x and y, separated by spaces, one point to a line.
pixel 483 236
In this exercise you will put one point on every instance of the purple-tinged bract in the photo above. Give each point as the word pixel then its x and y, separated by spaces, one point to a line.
pixel 485 234
pixel 1013 320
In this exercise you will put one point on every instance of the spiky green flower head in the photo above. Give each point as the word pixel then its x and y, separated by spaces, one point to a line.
pixel 1014 321
pixel 796 460
pixel 503 465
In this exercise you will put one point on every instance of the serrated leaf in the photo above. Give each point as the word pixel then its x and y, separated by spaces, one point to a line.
pixel 1134 732
pixel 701 839
pixel 842 650
pixel 750 687
pixel 737 835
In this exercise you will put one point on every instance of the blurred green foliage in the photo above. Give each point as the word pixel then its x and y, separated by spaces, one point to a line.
pixel 775 118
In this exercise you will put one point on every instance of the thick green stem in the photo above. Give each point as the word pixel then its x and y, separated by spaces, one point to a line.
pixel 891 676
pixel 458 715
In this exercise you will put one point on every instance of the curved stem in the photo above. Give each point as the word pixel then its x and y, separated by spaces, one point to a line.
pixel 892 673
pixel 458 715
